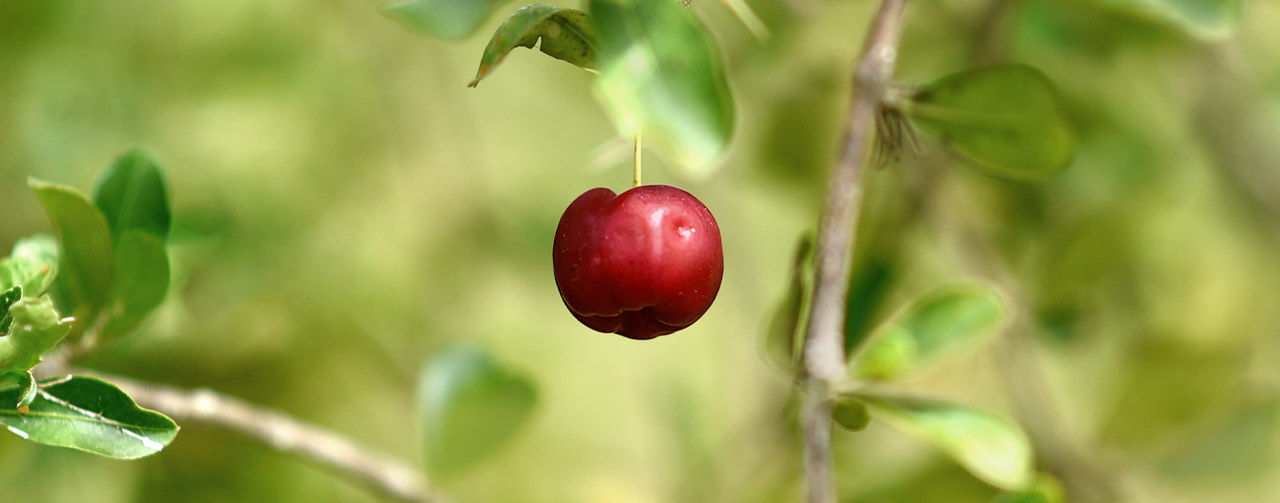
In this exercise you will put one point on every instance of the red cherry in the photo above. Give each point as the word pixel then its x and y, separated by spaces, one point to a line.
pixel 644 263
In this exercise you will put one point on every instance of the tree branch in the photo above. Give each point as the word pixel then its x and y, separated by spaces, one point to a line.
pixel 824 354
pixel 383 474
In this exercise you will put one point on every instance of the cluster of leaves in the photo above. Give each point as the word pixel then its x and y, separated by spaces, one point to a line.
pixel 659 72
pixel 108 267
pixel 945 322
pixel 658 69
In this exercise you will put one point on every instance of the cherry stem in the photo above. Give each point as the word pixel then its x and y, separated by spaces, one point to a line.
pixel 635 177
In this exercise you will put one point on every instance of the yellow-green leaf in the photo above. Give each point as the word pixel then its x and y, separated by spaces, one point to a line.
pixel 448 19
pixel 660 73
pixel 86 261
pixel 33 265
pixel 1005 120
pixel 470 407
pixel 89 415
pixel 991 448
pixel 132 195
pixel 781 336
pixel 142 262
pixel 35 328
pixel 850 413
pixel 944 322
pixel 1206 19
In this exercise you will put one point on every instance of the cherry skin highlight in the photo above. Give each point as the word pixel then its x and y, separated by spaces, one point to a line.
pixel 644 263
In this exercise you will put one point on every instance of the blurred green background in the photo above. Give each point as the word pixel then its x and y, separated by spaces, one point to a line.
pixel 345 206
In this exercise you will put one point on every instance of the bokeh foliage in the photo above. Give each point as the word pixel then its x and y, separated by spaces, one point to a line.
pixel 344 207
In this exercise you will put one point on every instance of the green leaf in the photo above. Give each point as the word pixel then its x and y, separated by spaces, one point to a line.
pixel 869 286
pixel 448 19
pixel 850 413
pixel 131 194
pixel 7 298
pixel 142 263
pixel 86 266
pixel 26 387
pixel 566 34
pixel 1236 446
pixel 995 450
pixel 36 328
pixel 1045 489
pixel 471 406
pixel 783 333
pixel 891 355
pixel 1207 19
pixel 1005 120
pixel 33 265
pixel 661 73
pixel 90 415
pixel 941 323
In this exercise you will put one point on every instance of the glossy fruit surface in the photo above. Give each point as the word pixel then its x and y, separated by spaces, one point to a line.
pixel 643 263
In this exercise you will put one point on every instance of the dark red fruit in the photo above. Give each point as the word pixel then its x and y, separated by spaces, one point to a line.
pixel 644 263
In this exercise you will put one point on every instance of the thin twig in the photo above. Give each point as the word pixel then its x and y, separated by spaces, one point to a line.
pixel 1084 473
pixel 383 474
pixel 824 342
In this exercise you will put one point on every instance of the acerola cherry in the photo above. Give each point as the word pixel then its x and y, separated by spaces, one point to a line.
pixel 644 263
